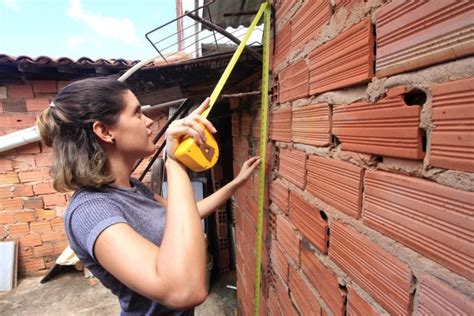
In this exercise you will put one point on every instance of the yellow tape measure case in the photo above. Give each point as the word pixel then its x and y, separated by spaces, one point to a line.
pixel 198 157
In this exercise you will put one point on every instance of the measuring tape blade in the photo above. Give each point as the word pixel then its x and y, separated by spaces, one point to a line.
pixel 202 157
pixel 230 66
pixel 263 155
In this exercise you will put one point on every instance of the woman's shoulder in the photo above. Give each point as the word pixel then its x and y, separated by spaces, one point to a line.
pixel 87 199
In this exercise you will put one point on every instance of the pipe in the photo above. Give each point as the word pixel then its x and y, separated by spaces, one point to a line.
pixel 19 138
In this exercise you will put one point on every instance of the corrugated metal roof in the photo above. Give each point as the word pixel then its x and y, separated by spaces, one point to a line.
pixel 221 7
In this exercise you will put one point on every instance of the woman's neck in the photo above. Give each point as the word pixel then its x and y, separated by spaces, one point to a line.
pixel 121 169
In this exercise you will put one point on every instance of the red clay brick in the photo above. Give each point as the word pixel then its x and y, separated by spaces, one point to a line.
pixel 324 280
pixel 294 82
pixel 9 177
pixel 32 265
pixel 45 214
pixel 53 236
pixel 344 61
pixel 30 176
pixel 25 216
pixel 283 44
pixel 357 306
pixel 37 104
pixel 279 194
pixel 44 159
pixel 311 125
pixel 407 33
pixel 309 222
pixel 45 86
pixel 288 238
pixel 59 246
pixel 33 202
pixel 62 84
pixel 284 300
pixel 57 223
pixel 20 190
pixel 17 120
pixel 279 261
pixel 43 250
pixel 10 204
pixel 33 239
pixel 43 188
pixel 235 125
pixel 7 217
pixel 437 298
pixel 337 183
pixel 54 199
pixel 308 21
pixel 19 91
pixel 245 124
pixel 41 227
pixel 14 106
pixel 3 93
pixel 384 276
pixel 293 166
pixel 252 210
pixel 5 165
pixel 18 230
pixel 6 191
pixel 274 308
pixel 23 162
pixel 346 3
pixel 452 138
pixel 25 253
pixel 432 219
pixel 255 125
pixel 388 127
pixel 31 148
pixel 302 296
pixel 283 7
pixel 280 125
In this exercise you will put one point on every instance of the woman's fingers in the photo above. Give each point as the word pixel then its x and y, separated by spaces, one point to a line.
pixel 207 124
pixel 252 161
pixel 204 105
pixel 198 128
pixel 181 130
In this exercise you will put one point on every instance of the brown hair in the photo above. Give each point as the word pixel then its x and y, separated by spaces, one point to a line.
pixel 66 126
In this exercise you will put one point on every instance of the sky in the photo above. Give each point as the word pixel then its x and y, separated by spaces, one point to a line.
pixel 94 28
pixel 76 28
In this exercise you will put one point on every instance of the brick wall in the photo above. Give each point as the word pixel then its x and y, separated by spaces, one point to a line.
pixel 31 211
pixel 370 206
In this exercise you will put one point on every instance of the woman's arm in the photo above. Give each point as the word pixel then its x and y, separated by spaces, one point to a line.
pixel 174 273
pixel 209 204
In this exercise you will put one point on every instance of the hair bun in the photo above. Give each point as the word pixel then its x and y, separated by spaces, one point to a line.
pixel 48 127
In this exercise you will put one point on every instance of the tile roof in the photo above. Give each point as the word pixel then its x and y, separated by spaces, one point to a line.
pixel 83 61
pixel 63 68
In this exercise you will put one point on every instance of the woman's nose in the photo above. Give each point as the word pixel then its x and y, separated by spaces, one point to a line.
pixel 149 121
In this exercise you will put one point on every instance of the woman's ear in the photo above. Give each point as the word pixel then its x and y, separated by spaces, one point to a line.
pixel 102 131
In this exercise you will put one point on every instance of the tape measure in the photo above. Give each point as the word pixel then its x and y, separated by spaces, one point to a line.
pixel 263 155
pixel 202 157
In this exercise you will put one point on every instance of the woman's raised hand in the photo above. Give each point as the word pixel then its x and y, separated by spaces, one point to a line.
pixel 192 125
pixel 247 168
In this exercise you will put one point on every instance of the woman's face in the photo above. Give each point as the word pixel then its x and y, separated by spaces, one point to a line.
pixel 132 132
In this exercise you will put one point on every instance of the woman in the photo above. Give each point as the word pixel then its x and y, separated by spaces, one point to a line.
pixel 152 258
